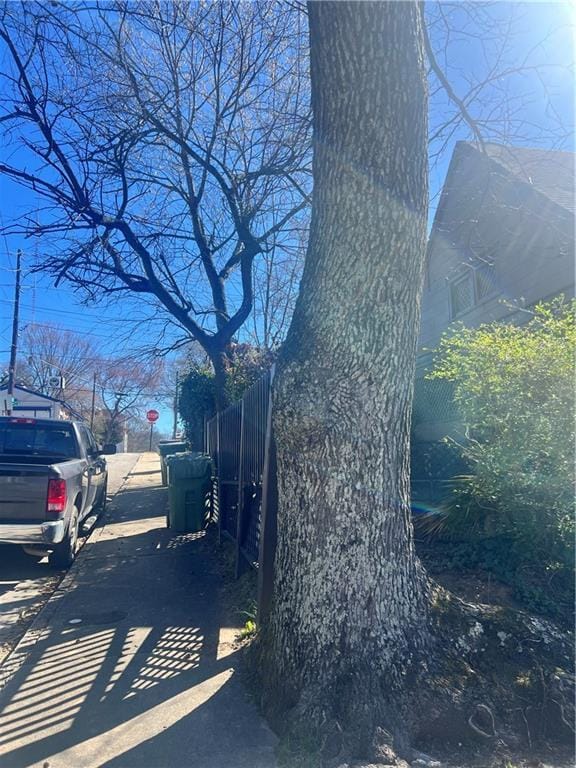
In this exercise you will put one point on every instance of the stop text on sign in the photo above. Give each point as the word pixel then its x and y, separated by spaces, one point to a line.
pixel 152 416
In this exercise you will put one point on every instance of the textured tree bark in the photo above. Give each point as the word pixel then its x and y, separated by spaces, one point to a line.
pixel 349 619
pixel 218 360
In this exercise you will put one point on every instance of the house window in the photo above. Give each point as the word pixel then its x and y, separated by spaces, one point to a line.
pixel 471 288
pixel 485 281
pixel 461 294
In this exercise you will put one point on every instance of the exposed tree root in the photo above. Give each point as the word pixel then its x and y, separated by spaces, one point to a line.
pixel 498 675
pixel 494 679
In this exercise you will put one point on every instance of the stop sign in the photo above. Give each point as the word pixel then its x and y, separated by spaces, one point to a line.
pixel 152 416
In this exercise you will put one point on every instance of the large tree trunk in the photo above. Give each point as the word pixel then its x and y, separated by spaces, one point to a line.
pixel 349 618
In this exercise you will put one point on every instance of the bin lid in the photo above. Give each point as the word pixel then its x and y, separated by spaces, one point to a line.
pixel 174 446
pixel 189 465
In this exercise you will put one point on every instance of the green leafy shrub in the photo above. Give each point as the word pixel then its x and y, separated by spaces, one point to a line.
pixel 197 400
pixel 514 390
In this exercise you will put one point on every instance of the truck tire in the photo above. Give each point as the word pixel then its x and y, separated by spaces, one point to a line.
pixel 64 553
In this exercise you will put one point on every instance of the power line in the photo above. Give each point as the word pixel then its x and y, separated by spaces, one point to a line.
pixel 52 309
pixel 81 332
pixel 77 313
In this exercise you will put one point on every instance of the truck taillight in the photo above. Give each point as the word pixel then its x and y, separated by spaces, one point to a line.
pixel 56 497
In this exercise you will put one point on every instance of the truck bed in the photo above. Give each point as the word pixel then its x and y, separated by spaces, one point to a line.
pixel 23 486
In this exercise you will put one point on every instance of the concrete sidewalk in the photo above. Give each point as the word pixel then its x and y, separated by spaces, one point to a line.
pixel 129 664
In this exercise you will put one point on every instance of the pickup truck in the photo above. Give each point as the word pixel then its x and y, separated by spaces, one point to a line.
pixel 52 477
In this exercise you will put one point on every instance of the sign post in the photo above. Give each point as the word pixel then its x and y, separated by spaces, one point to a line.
pixel 152 416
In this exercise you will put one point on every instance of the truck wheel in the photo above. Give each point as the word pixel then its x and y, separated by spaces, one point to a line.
pixel 64 553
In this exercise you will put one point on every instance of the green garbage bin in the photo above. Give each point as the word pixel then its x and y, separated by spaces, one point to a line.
pixel 189 491
pixel 167 448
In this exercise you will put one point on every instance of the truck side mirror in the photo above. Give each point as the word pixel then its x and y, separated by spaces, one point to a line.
pixel 108 449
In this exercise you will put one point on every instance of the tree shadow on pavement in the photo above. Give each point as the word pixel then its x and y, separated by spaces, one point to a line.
pixel 127 670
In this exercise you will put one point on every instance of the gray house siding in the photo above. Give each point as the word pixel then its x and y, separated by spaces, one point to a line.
pixel 488 220
pixel 498 245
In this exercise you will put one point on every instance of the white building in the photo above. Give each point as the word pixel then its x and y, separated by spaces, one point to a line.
pixel 31 404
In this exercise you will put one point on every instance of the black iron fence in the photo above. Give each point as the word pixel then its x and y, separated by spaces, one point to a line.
pixel 240 442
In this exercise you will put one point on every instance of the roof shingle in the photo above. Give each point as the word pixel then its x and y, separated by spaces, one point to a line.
pixel 550 172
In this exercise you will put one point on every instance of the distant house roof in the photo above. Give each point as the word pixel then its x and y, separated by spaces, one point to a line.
pixel 549 171
pixel 4 388
pixel 42 396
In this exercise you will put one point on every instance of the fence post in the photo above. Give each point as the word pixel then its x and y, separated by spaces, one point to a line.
pixel 267 545
pixel 240 502
pixel 218 475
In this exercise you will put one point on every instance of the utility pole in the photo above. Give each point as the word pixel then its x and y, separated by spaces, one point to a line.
pixel 93 401
pixel 14 346
pixel 175 427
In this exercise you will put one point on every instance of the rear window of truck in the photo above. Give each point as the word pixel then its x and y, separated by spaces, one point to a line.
pixel 25 439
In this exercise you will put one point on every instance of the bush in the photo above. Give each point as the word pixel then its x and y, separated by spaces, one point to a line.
pixel 197 399
pixel 514 389
pixel 196 402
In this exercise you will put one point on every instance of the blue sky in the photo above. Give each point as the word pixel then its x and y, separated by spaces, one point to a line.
pixel 547 96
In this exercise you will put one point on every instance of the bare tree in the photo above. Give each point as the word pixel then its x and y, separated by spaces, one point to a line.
pixel 138 434
pixel 494 92
pixel 125 387
pixel 275 291
pixel 170 143
pixel 48 352
pixel 121 387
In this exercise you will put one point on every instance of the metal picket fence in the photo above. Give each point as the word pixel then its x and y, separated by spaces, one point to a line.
pixel 240 442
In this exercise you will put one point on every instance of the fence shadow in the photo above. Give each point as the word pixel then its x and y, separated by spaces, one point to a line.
pixel 124 660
